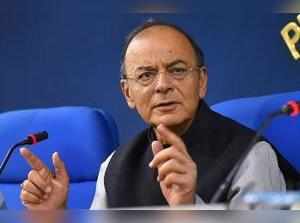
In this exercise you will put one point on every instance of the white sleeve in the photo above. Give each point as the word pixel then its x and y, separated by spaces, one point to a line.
pixel 99 200
pixel 258 173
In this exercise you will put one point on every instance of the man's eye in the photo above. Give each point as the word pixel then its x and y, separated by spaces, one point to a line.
pixel 178 70
pixel 146 76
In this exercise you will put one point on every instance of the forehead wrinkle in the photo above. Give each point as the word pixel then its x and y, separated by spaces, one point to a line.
pixel 136 46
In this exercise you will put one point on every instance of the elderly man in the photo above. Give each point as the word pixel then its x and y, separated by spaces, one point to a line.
pixel 187 151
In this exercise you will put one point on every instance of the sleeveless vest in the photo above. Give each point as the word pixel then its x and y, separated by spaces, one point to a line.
pixel 214 142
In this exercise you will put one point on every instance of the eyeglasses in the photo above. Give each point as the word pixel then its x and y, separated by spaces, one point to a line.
pixel 148 77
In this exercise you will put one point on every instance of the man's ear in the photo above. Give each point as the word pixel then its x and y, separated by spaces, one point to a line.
pixel 203 81
pixel 127 94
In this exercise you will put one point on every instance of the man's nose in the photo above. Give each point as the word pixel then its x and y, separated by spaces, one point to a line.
pixel 163 83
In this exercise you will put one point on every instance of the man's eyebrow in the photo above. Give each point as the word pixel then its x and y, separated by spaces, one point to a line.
pixel 149 67
pixel 145 67
pixel 176 62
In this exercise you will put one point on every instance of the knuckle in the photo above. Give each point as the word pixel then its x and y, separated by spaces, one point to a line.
pixel 25 183
pixel 163 153
pixel 25 204
pixel 25 193
pixel 43 172
pixel 42 185
pixel 168 166
pixel 193 165
pixel 178 154
pixel 170 178
pixel 31 174
pixel 173 162
pixel 22 195
pixel 161 172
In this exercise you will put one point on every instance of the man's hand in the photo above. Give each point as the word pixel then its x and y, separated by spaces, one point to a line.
pixel 177 172
pixel 43 190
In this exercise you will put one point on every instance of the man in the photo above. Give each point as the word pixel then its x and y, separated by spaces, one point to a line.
pixel 187 151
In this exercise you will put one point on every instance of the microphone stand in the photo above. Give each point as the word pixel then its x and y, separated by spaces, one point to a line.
pixel 9 153
pixel 223 187
pixel 31 139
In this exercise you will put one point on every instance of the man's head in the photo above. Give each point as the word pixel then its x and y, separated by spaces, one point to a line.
pixel 163 75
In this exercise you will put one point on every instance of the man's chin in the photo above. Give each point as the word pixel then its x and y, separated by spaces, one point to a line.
pixel 168 121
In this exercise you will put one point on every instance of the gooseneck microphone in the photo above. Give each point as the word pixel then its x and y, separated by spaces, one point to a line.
pixel 30 140
pixel 292 108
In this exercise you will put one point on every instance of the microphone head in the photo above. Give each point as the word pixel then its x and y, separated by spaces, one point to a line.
pixel 292 108
pixel 37 137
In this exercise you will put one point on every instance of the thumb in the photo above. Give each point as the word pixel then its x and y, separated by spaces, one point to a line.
pixel 60 169
pixel 156 147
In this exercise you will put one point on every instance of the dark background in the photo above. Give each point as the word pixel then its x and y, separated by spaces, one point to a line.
pixel 57 53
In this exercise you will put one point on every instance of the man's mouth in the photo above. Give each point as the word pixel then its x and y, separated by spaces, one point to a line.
pixel 166 106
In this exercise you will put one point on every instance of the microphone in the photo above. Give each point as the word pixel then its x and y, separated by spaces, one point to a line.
pixel 30 140
pixel 292 108
pixel 34 138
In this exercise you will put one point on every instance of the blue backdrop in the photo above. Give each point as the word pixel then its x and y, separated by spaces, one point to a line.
pixel 55 53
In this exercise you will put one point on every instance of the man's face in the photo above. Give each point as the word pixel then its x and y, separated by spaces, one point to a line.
pixel 167 100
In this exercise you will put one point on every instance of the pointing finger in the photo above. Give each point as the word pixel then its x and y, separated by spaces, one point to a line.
pixel 32 160
pixel 171 138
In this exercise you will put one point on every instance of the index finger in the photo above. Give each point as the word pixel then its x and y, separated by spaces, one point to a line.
pixel 171 138
pixel 32 160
